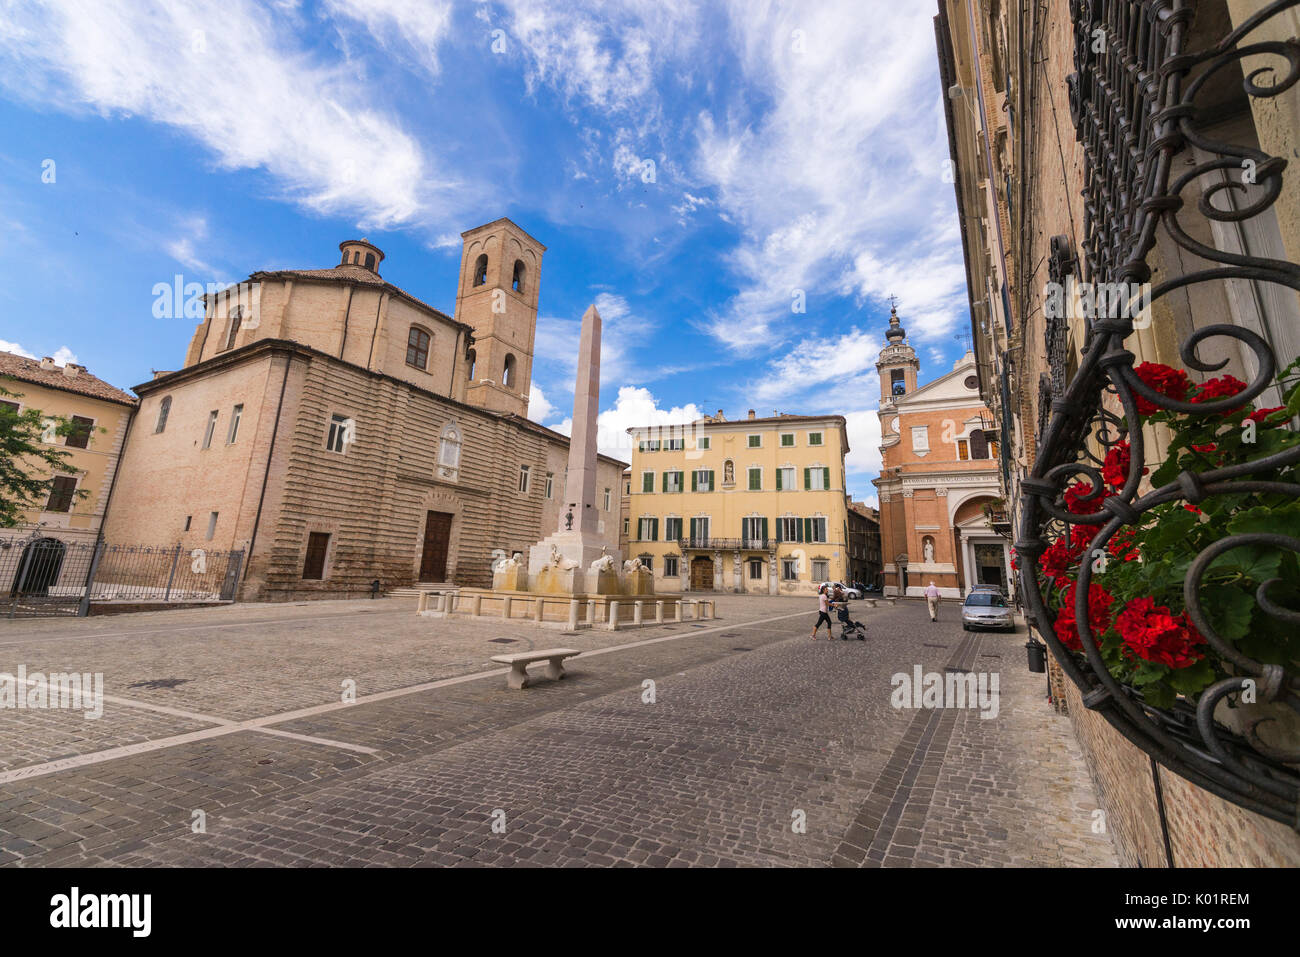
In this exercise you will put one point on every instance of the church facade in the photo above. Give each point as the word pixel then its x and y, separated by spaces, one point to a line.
pixel 938 487
pixel 340 431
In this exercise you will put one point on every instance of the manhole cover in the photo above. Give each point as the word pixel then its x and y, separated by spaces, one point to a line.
pixel 503 641
pixel 990 656
pixel 155 683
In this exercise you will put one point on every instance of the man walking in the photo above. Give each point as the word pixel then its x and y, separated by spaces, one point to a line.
pixel 932 601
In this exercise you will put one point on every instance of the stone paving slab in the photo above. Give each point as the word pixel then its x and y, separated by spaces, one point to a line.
pixel 754 729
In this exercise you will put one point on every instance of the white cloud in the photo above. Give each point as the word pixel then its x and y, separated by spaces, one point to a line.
pixel 63 355
pixel 837 186
pixel 417 27
pixel 623 336
pixel 863 461
pixel 635 406
pixel 539 407
pixel 219 71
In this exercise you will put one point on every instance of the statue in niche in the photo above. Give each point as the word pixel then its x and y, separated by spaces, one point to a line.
pixel 929 552
pixel 728 472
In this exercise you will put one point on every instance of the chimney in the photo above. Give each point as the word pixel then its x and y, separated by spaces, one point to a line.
pixel 71 369
pixel 721 417
pixel 751 414
pixel 48 363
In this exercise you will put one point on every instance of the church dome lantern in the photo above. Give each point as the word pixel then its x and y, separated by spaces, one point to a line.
pixel 361 252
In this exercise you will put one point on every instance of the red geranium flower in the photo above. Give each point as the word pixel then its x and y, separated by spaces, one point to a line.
pixel 1163 379
pixel 1075 492
pixel 1115 469
pixel 1259 415
pixel 1121 546
pixel 1080 536
pixel 1067 626
pixel 1220 388
pixel 1153 633
pixel 1055 562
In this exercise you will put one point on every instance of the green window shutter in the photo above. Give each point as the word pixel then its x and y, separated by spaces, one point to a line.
pixel 763 530
pixel 710 480
pixel 807 479
pixel 779 530
pixel 665 481
pixel 648 482
pixel 695 477
pixel 654 529
pixel 778 479
pixel 826 478
pixel 755 480
pixel 807 529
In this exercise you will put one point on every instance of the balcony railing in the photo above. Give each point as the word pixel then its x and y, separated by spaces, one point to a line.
pixel 727 544
pixel 1139 103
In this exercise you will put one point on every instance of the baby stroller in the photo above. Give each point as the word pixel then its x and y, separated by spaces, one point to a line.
pixel 848 627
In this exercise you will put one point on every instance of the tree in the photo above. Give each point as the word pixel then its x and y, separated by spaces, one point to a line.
pixel 28 465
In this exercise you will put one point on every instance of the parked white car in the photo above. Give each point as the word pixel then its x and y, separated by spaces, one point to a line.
pixel 849 590
pixel 986 609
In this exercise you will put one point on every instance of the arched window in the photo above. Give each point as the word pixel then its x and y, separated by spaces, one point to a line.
pixel 449 449
pixel 370 261
pixel 417 348
pixel 480 270
pixel 472 358
pixel 508 372
pixel 517 283
pixel 164 410
pixel 979 444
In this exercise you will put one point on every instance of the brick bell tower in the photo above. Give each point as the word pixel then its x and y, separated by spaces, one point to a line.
pixel 500 272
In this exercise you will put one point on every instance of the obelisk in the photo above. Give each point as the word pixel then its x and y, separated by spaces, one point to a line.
pixel 577 542
pixel 580 486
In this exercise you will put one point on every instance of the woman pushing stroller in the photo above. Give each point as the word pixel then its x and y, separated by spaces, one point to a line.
pixel 848 627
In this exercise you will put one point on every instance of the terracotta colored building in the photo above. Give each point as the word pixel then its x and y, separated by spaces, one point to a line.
pixel 938 484
pixel 342 431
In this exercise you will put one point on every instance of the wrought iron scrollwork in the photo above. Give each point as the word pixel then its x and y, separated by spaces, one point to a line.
pixel 1134 100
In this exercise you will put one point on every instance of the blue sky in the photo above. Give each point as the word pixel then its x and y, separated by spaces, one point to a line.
pixel 796 146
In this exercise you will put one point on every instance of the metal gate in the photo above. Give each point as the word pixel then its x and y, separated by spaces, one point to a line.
pixel 42 576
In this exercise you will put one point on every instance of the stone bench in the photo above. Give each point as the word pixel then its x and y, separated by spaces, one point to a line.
pixel 519 662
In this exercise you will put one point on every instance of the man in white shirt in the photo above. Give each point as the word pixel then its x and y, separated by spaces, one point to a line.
pixel 932 601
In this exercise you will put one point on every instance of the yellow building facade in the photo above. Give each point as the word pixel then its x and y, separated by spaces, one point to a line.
pixel 100 414
pixel 755 505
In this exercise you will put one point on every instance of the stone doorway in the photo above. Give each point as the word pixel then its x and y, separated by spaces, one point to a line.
pixel 701 573
pixel 989 565
pixel 437 537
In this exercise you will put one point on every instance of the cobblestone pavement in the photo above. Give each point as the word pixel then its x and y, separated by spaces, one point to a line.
pixel 758 747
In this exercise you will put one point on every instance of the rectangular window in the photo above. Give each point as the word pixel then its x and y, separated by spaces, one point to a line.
pixel 62 491
pixel 787 439
pixel 647 481
pixel 702 480
pixel 920 438
pixel 232 328
pixel 188 520
pixel 11 406
pixel 672 529
pixel 627 488
pixel 550 488
pixel 814 438
pixel 523 479
pixel 704 443
pixel 789 529
pixel 648 445
pixel 963 450
pixel 674 445
pixel 756 568
pixel 815 529
pixel 673 481
pixel 79 437
pixel 212 525
pixel 313 569
pixel 820 571
pixel 212 427
pixel 417 348
pixel 789 569
pixel 755 441
pixel 753 531
pixel 608 499
pixel 700 531
pixel 647 529
pixel 339 433
pixel 670 567
pixel 235 415
pixel 897 384
pixel 755 479
pixel 626 523
pixel 785 479
pixel 648 561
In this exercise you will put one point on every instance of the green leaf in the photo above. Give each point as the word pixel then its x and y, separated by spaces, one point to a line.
pixel 1192 679
pixel 1229 609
